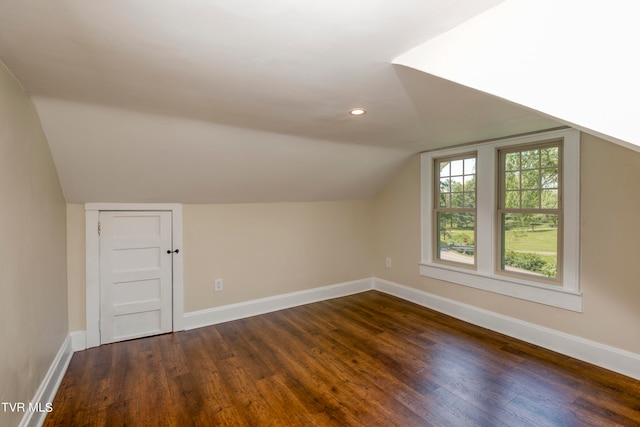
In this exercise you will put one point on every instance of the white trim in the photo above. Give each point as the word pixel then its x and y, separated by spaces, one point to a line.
pixel 131 206
pixel 92 260
pixel 178 270
pixel 49 385
pixel 212 316
pixel 553 296
pixel 612 358
pixel 567 295
pixel 92 212
pixel 608 357
pixel 78 340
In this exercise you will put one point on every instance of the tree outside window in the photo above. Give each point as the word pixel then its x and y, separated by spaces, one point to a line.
pixel 529 211
pixel 455 209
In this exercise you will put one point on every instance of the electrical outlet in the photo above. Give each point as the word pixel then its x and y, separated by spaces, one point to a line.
pixel 218 285
pixel 388 262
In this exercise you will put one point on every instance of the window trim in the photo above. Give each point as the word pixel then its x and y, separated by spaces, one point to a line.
pixel 566 294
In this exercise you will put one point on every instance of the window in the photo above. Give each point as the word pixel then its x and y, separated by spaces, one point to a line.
pixel 503 216
pixel 529 210
pixel 455 209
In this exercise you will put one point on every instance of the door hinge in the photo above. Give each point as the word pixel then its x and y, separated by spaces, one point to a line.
pixel 98 228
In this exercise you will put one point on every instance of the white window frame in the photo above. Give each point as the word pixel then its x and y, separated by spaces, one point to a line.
pixel 566 294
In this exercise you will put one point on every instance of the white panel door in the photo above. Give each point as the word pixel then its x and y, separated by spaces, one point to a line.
pixel 135 275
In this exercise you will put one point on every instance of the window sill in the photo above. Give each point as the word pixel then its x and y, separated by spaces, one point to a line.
pixel 551 295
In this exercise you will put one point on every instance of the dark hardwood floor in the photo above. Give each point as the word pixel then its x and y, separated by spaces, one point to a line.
pixel 364 360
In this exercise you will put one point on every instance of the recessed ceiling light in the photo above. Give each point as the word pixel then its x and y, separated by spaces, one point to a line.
pixel 358 111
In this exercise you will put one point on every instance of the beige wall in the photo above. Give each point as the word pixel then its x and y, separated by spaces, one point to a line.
pixel 262 250
pixel 610 178
pixel 259 250
pixel 76 267
pixel 33 282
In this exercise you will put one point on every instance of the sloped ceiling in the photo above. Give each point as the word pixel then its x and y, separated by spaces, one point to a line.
pixel 217 101
pixel 580 57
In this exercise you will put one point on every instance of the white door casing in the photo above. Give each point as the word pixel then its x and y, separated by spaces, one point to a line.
pixel 135 274
pixel 92 242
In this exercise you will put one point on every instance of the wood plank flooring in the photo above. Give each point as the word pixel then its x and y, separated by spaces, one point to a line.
pixel 363 360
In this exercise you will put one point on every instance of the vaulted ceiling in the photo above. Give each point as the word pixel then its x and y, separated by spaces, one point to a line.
pixel 218 101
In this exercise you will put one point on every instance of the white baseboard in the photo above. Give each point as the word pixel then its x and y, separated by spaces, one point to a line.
pixel 49 386
pixel 612 358
pixel 615 359
pixel 212 316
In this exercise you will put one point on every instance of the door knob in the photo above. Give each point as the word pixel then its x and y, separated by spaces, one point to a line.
pixel 176 251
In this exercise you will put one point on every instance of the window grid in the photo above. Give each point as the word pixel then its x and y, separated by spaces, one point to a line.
pixel 455 209
pixel 530 191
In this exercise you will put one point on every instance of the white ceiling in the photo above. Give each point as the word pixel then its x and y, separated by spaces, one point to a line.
pixel 217 101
